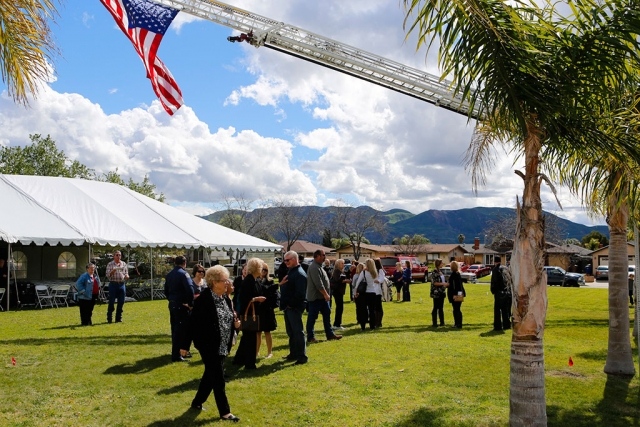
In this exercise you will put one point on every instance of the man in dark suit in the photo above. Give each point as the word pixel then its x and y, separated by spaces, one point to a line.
pixel 178 288
pixel 501 298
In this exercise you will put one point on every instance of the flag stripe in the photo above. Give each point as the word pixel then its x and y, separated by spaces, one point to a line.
pixel 146 43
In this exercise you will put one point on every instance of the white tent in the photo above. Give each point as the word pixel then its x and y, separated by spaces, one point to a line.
pixel 51 210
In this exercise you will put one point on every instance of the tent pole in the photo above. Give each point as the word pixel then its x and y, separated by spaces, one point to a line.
pixel 151 262
pixel 8 264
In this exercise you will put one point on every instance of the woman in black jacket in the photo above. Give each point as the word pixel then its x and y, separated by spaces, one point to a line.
pixel 456 288
pixel 438 292
pixel 212 324
pixel 250 291
pixel 267 312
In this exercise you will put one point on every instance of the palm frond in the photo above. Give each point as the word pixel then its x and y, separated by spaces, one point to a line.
pixel 26 45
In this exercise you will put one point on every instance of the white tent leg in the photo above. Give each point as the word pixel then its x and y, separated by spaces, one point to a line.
pixel 151 262
pixel 8 264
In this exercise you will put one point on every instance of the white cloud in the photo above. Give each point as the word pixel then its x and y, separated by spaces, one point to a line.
pixel 86 18
pixel 187 161
pixel 182 19
pixel 112 91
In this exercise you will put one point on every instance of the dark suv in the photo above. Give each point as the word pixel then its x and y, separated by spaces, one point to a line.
pixel 559 277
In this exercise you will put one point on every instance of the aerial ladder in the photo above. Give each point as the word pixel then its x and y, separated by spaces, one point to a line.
pixel 260 31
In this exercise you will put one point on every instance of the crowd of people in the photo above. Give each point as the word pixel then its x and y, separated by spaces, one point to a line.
pixel 208 310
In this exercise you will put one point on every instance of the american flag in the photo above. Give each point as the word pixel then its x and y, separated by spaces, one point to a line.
pixel 145 22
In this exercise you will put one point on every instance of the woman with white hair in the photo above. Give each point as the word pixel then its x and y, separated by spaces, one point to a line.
pixel 249 292
pixel 213 323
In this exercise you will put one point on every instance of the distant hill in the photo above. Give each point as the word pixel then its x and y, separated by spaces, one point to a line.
pixel 445 226
pixel 438 225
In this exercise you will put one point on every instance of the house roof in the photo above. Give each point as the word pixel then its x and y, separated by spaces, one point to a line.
pixel 52 210
pixel 303 246
pixel 605 247
pixel 442 248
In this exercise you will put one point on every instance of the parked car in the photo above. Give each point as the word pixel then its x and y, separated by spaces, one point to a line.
pixel 465 275
pixel 602 272
pixel 418 272
pixel 632 270
pixel 559 277
pixel 480 270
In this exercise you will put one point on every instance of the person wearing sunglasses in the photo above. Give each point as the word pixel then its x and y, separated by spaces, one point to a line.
pixel 267 313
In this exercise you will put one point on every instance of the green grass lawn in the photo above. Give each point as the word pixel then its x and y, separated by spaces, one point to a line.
pixel 405 374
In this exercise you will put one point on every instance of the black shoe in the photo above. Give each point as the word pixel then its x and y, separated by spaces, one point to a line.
pixel 108 321
pixel 188 355
pixel 288 357
pixel 231 417
pixel 197 407
pixel 119 321
pixel 180 359
pixel 300 362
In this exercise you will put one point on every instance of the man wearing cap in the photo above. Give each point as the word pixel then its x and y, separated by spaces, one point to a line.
pixel 501 298
pixel 117 273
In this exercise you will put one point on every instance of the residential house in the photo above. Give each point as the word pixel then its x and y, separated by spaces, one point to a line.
pixel 307 249
pixel 601 256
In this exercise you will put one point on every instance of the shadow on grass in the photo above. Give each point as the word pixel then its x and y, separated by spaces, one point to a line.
pixel 424 417
pixel 577 322
pixel 614 410
pixel 141 366
pixel 99 340
pixel 188 419
pixel 231 373
pixel 594 355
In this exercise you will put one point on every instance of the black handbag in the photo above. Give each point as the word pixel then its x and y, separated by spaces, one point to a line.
pixel 250 323
pixel 362 286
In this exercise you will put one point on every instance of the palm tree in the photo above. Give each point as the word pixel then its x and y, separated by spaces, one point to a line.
pixel 607 187
pixel 539 77
pixel 26 45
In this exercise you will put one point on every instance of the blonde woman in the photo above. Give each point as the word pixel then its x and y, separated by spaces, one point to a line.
pixel 366 289
pixel 267 314
pixel 456 288
pixel 213 322
pixel 249 292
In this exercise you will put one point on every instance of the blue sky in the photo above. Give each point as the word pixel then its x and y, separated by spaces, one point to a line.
pixel 257 122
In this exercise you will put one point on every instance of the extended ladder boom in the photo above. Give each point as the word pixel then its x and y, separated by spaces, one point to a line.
pixel 261 31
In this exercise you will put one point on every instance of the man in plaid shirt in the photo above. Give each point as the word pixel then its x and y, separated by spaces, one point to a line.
pixel 117 273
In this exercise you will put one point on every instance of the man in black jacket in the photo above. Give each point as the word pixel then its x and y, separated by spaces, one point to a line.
pixel 501 298
pixel 293 290
pixel 178 287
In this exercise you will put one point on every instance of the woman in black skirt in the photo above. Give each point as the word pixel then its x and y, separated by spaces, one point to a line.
pixel 266 311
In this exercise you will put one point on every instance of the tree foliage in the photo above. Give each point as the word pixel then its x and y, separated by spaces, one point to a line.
pixel 600 238
pixel 352 224
pixel 41 158
pixel 411 245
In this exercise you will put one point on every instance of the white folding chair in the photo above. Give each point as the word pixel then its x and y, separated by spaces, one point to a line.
pixel 2 291
pixel 60 295
pixel 45 299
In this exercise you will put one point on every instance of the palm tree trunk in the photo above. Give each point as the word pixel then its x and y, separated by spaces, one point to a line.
pixel 527 404
pixel 619 358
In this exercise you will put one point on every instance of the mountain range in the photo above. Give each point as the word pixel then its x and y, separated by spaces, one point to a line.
pixel 439 226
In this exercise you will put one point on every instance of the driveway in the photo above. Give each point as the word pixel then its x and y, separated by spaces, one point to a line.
pixel 602 284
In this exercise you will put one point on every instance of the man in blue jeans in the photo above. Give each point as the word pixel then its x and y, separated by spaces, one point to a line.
pixel 318 298
pixel 293 288
pixel 117 273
